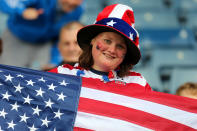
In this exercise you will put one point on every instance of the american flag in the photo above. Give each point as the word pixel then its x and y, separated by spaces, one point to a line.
pixel 116 107
pixel 35 100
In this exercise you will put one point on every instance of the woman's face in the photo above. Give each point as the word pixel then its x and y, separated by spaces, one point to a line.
pixel 108 51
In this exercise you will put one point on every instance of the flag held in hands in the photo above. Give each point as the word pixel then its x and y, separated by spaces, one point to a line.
pixel 33 100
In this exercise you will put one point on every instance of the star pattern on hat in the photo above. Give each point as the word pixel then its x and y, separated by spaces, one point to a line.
pixel 111 23
pixel 131 35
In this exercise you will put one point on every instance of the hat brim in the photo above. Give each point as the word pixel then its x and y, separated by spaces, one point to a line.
pixel 87 33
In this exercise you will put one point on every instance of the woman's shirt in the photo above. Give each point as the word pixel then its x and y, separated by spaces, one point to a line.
pixel 133 79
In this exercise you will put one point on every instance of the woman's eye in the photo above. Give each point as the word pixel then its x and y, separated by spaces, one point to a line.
pixel 121 47
pixel 107 41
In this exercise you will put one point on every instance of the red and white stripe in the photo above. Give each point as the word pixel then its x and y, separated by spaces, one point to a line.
pixel 118 11
pixel 106 107
pixel 122 12
pixel 112 106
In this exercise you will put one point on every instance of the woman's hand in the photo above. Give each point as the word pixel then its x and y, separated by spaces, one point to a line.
pixel 32 13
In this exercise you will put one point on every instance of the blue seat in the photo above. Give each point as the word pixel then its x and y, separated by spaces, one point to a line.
pixel 192 19
pixel 139 4
pixel 189 5
pixel 162 62
pixel 180 76
pixel 173 58
pixel 156 19
pixel 152 77
pixel 89 17
pixel 93 4
pixel 167 38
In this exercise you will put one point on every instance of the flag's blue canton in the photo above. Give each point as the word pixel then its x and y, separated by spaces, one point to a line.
pixel 33 100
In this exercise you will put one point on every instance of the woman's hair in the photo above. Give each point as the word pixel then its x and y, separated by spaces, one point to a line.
pixel 86 61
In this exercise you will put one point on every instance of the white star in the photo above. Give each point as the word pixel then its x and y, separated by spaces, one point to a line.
pixel 9 78
pixel 15 106
pixel 18 88
pixel 3 113
pixel 32 128
pixel 45 122
pixel 40 92
pixel 131 36
pixel 24 118
pixel 6 96
pixel 19 75
pixel 111 23
pixel 48 103
pixel 30 82
pixel 0 126
pixel 51 87
pixel 11 125
pixel 1 84
pixel 36 110
pixel 27 99
pixel 58 114
pixel 61 96
pixel 63 83
pixel 42 79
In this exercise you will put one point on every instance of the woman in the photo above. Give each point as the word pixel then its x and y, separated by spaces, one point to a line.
pixel 110 48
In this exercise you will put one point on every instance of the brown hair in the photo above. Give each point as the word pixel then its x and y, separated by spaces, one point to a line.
pixel 189 86
pixel 86 61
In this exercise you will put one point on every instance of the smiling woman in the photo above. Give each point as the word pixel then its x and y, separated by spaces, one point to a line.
pixel 110 50
pixel 107 50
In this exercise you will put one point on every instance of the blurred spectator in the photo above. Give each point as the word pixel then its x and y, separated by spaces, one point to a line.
pixel 32 24
pixel 67 45
pixel 188 90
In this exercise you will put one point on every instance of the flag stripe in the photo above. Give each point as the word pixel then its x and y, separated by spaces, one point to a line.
pixel 127 114
pixel 134 90
pixel 102 123
pixel 105 13
pixel 119 11
pixel 81 129
pixel 170 113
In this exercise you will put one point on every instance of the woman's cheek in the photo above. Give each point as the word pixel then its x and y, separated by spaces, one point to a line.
pixel 101 46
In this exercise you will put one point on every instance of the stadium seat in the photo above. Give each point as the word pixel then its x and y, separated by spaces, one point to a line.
pixel 182 75
pixel 167 38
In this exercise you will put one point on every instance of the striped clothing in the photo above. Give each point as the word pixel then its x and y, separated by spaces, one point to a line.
pixel 133 79
pixel 85 117
pixel 128 104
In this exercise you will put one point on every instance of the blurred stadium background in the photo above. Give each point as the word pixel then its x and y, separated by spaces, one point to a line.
pixel 168 38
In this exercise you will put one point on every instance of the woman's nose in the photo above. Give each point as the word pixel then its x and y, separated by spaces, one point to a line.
pixel 112 48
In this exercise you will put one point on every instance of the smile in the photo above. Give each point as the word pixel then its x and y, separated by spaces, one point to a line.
pixel 108 56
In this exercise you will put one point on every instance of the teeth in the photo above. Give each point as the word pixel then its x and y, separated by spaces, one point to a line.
pixel 109 56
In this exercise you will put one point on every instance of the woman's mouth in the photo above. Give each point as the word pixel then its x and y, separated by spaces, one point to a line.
pixel 109 56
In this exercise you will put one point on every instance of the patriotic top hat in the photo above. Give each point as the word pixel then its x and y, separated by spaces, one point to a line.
pixel 114 18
